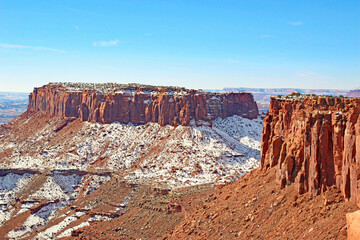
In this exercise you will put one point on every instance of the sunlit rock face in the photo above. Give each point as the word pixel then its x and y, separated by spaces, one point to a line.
pixel 139 104
pixel 313 142
pixel 353 225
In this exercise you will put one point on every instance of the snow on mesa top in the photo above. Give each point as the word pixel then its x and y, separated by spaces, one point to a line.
pixel 113 87
pixel 139 104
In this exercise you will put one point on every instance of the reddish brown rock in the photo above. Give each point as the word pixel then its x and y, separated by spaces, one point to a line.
pixel 174 208
pixel 314 142
pixel 138 104
pixel 353 225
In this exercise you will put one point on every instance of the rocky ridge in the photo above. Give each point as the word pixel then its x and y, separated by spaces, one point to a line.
pixel 138 104
pixel 313 142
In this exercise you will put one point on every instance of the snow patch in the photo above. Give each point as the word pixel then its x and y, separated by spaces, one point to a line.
pixel 50 233
pixel 67 182
pixel 50 190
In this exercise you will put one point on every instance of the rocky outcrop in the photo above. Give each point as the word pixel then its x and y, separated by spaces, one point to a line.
pixel 314 142
pixel 138 104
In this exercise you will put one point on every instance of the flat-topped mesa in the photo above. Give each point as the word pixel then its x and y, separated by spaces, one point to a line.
pixel 138 104
pixel 314 142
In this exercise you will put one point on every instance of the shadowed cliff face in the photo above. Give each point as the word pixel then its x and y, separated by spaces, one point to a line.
pixel 314 142
pixel 139 105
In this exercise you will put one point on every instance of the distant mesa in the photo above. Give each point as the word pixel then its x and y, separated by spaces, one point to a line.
pixel 354 93
pixel 139 104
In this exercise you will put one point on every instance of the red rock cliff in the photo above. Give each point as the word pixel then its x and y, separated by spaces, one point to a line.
pixel 138 104
pixel 314 142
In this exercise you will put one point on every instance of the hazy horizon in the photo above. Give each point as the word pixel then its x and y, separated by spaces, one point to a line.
pixel 208 89
pixel 194 44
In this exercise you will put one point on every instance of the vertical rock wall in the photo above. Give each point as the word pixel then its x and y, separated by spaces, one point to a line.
pixel 138 105
pixel 314 142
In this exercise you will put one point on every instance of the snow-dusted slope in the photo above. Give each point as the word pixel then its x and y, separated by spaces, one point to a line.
pixel 177 156
pixel 41 197
pixel 204 154
pixel 51 170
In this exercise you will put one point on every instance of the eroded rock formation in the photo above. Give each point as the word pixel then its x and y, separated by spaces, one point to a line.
pixel 314 142
pixel 138 104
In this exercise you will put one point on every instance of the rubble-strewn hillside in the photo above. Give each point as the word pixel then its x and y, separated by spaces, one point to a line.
pixel 255 207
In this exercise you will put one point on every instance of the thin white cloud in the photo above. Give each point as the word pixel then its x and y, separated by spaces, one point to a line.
pixel 147 34
pixel 297 23
pixel 106 43
pixel 76 27
pixel 5 45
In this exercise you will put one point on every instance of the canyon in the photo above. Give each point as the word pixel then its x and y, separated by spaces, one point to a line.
pixel 129 161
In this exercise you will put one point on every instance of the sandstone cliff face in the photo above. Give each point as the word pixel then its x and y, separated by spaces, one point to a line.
pixel 314 142
pixel 139 104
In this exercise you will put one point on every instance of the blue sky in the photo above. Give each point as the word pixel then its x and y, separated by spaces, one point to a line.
pixel 195 44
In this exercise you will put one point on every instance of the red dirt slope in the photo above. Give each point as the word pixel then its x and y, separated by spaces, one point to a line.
pixel 254 207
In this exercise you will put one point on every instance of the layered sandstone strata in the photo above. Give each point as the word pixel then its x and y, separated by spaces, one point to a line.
pixel 138 104
pixel 314 142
